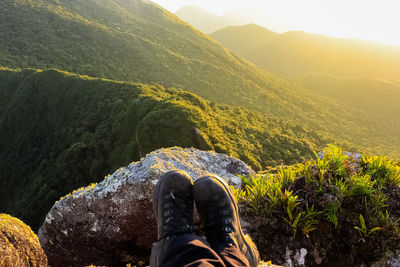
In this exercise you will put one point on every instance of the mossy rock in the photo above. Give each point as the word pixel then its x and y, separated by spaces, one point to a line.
pixel 19 246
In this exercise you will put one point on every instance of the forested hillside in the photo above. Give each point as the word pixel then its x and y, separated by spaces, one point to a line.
pixel 377 99
pixel 134 40
pixel 299 53
pixel 362 76
pixel 60 131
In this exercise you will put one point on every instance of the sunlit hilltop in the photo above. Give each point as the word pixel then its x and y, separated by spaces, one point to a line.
pixel 365 19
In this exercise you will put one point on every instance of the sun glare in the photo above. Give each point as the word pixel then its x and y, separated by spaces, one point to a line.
pixel 375 20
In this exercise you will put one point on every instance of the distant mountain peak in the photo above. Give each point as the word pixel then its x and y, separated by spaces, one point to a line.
pixel 207 21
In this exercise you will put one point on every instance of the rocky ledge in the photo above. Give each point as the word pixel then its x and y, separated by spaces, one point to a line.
pixel 112 223
pixel 19 246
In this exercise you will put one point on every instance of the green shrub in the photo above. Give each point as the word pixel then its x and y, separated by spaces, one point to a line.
pixel 335 189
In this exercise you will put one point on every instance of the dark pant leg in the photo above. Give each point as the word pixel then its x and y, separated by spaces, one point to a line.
pixel 231 256
pixel 190 250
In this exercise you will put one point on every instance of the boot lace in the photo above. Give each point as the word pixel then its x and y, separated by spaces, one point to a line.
pixel 218 222
pixel 176 215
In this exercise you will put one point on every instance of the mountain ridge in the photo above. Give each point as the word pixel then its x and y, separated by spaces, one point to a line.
pixel 303 53
pixel 328 67
pixel 209 22
pixel 61 131
pixel 147 44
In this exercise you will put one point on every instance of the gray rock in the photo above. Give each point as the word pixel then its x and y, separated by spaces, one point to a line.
pixel 390 258
pixel 355 161
pixel 112 222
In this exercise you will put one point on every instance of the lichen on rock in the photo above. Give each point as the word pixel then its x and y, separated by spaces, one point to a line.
pixel 19 246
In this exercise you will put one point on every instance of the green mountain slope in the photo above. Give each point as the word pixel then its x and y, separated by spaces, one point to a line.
pixel 371 100
pixel 134 40
pixel 130 40
pixel 373 94
pixel 299 53
pixel 60 131
pixel 374 102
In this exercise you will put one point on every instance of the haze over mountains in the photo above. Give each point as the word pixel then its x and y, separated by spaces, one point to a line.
pixel 361 75
pixel 299 53
pixel 53 121
pixel 208 22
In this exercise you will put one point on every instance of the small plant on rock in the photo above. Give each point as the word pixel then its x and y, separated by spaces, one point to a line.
pixel 331 212
pixel 305 169
pixel 361 185
pixel 304 220
pixel 382 169
pixel 309 219
pixel 255 189
pixel 286 176
pixel 363 230
pixel 389 223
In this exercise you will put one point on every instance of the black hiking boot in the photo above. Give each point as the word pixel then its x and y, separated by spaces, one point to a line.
pixel 173 210
pixel 218 208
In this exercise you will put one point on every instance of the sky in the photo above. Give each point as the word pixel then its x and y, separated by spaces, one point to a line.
pixel 375 20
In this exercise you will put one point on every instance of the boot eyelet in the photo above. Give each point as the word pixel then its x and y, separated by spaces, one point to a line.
pixel 168 213
pixel 167 205
pixel 227 229
pixel 227 221
pixel 223 212
pixel 221 204
pixel 227 239
pixel 169 219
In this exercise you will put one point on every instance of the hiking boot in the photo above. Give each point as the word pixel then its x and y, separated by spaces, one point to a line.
pixel 218 208
pixel 173 210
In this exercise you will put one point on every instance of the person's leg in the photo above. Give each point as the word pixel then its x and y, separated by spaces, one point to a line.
pixel 219 210
pixel 231 255
pixel 190 250
pixel 173 210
